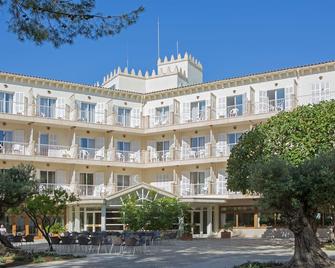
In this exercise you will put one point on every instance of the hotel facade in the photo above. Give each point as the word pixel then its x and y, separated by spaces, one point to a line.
pixel 166 131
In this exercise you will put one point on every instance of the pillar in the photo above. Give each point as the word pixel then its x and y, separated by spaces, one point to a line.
pixel 216 218
pixel 31 145
pixel 76 219
pixel 74 146
pixel 212 141
pixel 209 221
pixel 103 217
pixel 256 218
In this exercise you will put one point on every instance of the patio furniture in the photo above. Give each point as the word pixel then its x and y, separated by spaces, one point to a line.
pixel 130 243
pixel 17 239
pixel 83 242
pixel 95 241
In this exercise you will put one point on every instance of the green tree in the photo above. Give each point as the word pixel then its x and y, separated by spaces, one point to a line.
pixel 152 214
pixel 16 184
pixel 282 160
pixel 61 21
pixel 45 208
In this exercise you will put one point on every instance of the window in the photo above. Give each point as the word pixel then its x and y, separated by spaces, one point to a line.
pixel 237 216
pixel 46 107
pixel 6 102
pixel 163 146
pixel 48 179
pixel 123 146
pixel 276 99
pixel 162 115
pixel 197 143
pixel 86 178
pixel 123 116
pixel 235 105
pixel 87 143
pixel 198 183
pixel 6 141
pixel 87 112
pixel 123 181
pixel 198 110
pixel 233 139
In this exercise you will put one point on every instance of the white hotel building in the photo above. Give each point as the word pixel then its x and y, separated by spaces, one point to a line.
pixel 166 131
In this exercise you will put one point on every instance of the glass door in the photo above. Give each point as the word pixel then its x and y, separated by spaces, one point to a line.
pixel 123 116
pixel 6 102
pixel 235 106
pixel 198 110
pixel 93 221
pixel 47 107
pixel 162 148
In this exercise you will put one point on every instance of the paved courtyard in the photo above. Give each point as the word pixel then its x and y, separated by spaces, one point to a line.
pixel 209 253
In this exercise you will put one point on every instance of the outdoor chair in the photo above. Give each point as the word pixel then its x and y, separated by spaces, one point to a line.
pixel 66 243
pixel 83 242
pixel 131 244
pixel 17 240
pixel 96 241
pixel 116 242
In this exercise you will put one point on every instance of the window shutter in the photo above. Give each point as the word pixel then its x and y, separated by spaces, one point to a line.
pixel 100 113
pixel 152 118
pixel 78 109
pixel 19 103
pixel 221 145
pixel 60 177
pixel 325 91
pixel 99 178
pixel 185 146
pixel 221 182
pixel 134 180
pixel 263 102
pixel 135 148
pixel 185 184
pixel 186 112
pixel 100 148
pixel 52 139
pixel 207 146
pixel 135 117
pixel 222 107
pixel 207 178
pixel 60 108
pixel 289 98
pixel 244 103
pixel 18 136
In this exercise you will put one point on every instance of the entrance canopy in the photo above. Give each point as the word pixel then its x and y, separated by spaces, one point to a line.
pixel 142 191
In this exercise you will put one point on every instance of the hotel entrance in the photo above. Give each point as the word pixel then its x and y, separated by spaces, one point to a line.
pixel 202 219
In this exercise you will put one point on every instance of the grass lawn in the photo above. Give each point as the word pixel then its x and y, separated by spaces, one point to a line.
pixel 22 258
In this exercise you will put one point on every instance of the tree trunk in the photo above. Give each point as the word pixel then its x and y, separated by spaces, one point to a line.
pixel 307 249
pixel 5 242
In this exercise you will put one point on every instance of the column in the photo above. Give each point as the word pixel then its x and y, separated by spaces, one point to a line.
pixel 109 141
pixel 74 146
pixel 209 221
pixel 212 141
pixel 69 223
pixel 256 218
pixel 76 219
pixel 103 217
pixel 31 145
pixel 216 218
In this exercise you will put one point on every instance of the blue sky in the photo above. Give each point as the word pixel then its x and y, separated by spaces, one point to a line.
pixel 230 38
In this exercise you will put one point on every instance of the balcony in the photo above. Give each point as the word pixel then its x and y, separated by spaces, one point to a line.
pixel 128 156
pixel 160 156
pixel 53 112
pixel 218 188
pixel 161 120
pixel 91 153
pixel 194 153
pixel 13 148
pixel 53 150
pixel 12 107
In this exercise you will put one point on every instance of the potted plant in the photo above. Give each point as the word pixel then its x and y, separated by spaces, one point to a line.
pixel 227 230
pixel 56 229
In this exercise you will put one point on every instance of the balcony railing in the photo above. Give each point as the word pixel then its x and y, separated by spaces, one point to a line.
pixel 91 153
pixel 271 106
pixel 53 150
pixel 55 186
pixel 48 111
pixel 128 156
pixel 235 110
pixel 160 156
pixel 12 107
pixel 161 120
pixel 13 147
pixel 164 185
pixel 91 190
pixel 218 188
pixel 194 153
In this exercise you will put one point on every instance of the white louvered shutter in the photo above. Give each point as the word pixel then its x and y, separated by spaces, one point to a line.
pixel 151 147
pixel 61 177
pixel 221 145
pixel 135 149
pixel 134 180
pixel 325 91
pixel 185 186
pixel 152 117
pixel 221 182
pixel 263 102
pixel 60 108
pixel 18 136
pixel 18 103
pixel 78 109
pixel 100 148
pixel 135 117
pixel 186 112
pixel 244 103
pixel 222 107
pixel 185 146
pixel 99 178
pixel 207 180
pixel 100 113
pixel 289 98
pixel 207 146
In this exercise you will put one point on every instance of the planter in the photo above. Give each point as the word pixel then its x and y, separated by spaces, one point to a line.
pixel 225 234
pixel 186 237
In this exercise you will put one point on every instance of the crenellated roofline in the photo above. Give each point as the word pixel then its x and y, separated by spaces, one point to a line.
pixel 290 72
